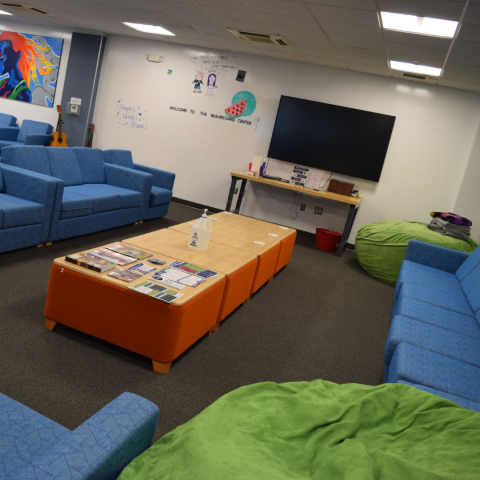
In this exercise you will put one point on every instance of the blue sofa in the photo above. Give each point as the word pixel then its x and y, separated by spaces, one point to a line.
pixel 434 337
pixel 37 448
pixel 90 195
pixel 7 120
pixel 30 133
pixel 26 207
pixel 161 192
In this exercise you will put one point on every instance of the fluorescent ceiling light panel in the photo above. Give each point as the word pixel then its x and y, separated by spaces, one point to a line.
pixel 149 28
pixel 3 12
pixel 420 25
pixel 412 68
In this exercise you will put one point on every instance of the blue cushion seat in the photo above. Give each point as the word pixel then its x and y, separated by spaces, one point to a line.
pixel 75 205
pixel 18 212
pixel 159 196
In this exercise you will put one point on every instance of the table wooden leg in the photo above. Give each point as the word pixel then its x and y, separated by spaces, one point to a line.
pixel 231 193
pixel 346 231
pixel 49 324
pixel 240 196
pixel 160 367
pixel 215 328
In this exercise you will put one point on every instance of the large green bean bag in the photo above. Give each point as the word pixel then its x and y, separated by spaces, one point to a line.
pixel 380 247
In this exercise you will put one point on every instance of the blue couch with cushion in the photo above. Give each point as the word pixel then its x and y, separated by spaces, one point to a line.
pixel 30 133
pixel 161 193
pixel 434 337
pixel 90 195
pixel 34 447
pixel 26 207
pixel 7 120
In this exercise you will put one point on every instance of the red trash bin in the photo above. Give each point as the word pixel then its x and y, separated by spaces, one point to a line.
pixel 327 240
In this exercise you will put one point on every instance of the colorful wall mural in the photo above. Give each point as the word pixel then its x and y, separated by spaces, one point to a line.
pixel 29 67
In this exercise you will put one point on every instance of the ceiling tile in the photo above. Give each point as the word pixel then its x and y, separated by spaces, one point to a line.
pixel 258 27
pixel 242 49
pixel 431 62
pixel 418 40
pixel 214 30
pixel 280 7
pixel 290 22
pixel 444 9
pixel 287 32
pixel 278 48
pixel 315 44
pixel 461 76
pixel 312 52
pixel 284 56
pixel 187 8
pixel 238 4
pixel 375 62
pixel 199 43
pixel 352 30
pixel 415 50
pixel 327 62
pixel 359 67
pixel 457 57
pixel 197 20
pixel 463 46
pixel 470 33
pixel 458 67
pixel 233 14
pixel 345 15
pixel 357 42
pixel 361 4
pixel 472 15
pixel 361 52
pixel 231 39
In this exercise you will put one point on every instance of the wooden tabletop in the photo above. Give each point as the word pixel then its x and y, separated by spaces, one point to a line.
pixel 188 292
pixel 219 258
pixel 316 193
pixel 234 237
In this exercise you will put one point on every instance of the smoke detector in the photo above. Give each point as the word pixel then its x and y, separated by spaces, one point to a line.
pixel 256 37
pixel 21 7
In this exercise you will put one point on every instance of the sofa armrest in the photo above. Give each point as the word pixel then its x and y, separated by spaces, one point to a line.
pixel 103 446
pixel 9 133
pixel 434 256
pixel 44 140
pixel 128 178
pixel 161 178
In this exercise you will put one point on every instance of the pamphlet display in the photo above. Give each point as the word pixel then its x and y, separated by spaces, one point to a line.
pixel 112 256
pixel 130 251
pixel 142 268
pixel 193 269
pixel 156 291
pixel 91 262
pixel 125 275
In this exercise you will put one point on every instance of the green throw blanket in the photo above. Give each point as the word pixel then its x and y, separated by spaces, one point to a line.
pixel 319 430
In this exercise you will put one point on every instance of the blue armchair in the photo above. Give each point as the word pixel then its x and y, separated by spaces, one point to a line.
pixel 26 206
pixel 7 120
pixel 30 133
pixel 161 193
pixel 35 447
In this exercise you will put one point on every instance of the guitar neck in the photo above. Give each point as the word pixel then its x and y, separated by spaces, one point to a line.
pixel 60 124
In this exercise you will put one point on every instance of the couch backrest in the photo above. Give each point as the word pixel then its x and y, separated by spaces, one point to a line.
pixel 2 183
pixel 468 265
pixel 91 164
pixel 7 120
pixel 30 127
pixel 471 287
pixel 64 165
pixel 122 158
pixel 34 158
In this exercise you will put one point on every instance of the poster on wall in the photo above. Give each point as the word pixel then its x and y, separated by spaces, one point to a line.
pixel 29 67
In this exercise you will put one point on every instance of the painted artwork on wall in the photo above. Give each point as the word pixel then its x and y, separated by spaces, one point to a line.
pixel 29 67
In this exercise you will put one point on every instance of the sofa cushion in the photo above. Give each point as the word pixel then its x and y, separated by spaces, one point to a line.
pixel 128 198
pixel 91 165
pixel 471 287
pixel 104 198
pixel 123 158
pixel 31 127
pixel 75 205
pixel 25 436
pixel 34 158
pixel 2 183
pixel 469 264
pixel 64 165
pixel 10 143
pixel 159 196
pixel 417 271
pixel 18 212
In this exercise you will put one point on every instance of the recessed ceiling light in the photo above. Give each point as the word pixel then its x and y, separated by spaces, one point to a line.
pixel 412 68
pixel 3 12
pixel 420 25
pixel 149 28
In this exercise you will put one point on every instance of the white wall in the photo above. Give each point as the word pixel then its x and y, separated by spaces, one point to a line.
pixel 428 152
pixel 23 110
pixel 467 203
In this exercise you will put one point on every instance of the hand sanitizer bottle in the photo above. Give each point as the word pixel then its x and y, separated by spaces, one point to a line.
pixel 200 234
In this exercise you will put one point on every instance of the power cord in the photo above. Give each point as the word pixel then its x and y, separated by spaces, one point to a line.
pixel 296 200
pixel 329 178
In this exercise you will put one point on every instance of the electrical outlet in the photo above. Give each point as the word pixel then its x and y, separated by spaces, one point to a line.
pixel 302 206
pixel 235 191
pixel 318 210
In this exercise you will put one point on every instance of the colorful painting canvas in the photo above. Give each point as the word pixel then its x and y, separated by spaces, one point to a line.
pixel 29 67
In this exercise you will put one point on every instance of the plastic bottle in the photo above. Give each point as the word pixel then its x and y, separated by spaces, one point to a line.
pixel 200 234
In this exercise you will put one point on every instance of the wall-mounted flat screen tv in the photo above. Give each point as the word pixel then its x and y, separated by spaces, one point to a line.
pixel 328 137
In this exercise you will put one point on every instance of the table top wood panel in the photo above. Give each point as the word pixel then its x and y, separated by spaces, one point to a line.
pixel 219 258
pixel 316 193
pixel 188 292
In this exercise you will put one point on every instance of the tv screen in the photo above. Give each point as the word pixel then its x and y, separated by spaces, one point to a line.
pixel 328 137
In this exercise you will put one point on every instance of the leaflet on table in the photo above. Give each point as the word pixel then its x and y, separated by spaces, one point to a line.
pixel 193 269
pixel 89 261
pixel 156 291
pixel 130 251
pixel 169 277
pixel 111 256
pixel 125 275
pixel 142 268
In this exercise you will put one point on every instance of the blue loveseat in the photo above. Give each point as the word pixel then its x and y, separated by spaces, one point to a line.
pixel 7 120
pixel 434 337
pixel 37 448
pixel 90 195
pixel 26 207
pixel 30 133
pixel 161 192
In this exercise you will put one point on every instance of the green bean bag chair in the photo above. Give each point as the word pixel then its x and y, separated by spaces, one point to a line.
pixel 380 247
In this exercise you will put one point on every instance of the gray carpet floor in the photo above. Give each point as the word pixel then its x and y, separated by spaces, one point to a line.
pixel 321 317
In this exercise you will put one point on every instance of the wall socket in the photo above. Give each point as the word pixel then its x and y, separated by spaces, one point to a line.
pixel 302 206
pixel 318 210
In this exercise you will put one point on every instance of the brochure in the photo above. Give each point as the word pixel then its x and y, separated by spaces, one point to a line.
pixel 193 269
pixel 170 277
pixel 125 275
pixel 142 268
pixel 111 256
pixel 191 281
pixel 156 291
pixel 89 261
pixel 130 251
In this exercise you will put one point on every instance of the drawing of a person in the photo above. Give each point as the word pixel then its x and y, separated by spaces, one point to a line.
pixel 198 82
pixel 211 84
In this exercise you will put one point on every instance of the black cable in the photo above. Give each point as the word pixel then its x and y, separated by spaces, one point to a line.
pixel 296 200
pixel 323 186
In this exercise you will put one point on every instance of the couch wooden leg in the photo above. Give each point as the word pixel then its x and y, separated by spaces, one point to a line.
pixel 49 324
pixel 247 300
pixel 40 245
pixel 214 328
pixel 160 367
pixel 141 221
pixel 270 280
pixel 48 243
pixel 136 223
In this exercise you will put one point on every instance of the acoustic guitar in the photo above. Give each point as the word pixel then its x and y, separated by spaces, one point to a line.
pixel 59 138
pixel 90 136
